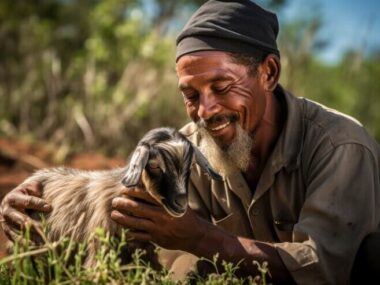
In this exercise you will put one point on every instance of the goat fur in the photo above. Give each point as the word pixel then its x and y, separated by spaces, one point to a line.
pixel 81 200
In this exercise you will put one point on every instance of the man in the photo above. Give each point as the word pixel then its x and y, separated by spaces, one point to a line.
pixel 301 182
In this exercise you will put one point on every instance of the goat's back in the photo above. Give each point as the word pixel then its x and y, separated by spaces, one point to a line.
pixel 81 200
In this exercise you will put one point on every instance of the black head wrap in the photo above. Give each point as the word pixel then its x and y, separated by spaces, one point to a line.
pixel 232 26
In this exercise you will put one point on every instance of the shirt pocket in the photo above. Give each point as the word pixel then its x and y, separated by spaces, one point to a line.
pixel 234 224
pixel 222 222
pixel 227 223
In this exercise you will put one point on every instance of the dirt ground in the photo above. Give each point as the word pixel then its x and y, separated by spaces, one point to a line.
pixel 19 159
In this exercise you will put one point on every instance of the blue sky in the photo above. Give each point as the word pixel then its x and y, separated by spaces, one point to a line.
pixel 346 23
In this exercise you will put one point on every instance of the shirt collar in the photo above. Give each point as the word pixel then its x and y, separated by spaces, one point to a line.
pixel 288 149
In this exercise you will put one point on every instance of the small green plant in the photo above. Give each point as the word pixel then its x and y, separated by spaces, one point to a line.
pixel 226 274
pixel 61 263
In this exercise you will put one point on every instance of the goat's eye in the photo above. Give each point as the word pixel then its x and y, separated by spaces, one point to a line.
pixel 154 167
pixel 154 171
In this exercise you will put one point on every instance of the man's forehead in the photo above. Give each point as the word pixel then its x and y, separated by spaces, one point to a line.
pixel 206 55
pixel 213 75
pixel 217 62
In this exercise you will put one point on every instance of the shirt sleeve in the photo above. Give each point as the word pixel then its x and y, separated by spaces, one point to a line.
pixel 342 205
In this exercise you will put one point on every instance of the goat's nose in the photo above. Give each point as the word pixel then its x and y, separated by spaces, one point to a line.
pixel 180 200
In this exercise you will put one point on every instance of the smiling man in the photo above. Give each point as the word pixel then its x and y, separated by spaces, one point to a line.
pixel 301 184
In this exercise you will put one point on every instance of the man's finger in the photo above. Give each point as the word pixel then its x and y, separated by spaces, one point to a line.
pixel 20 201
pixel 133 223
pixel 33 188
pixel 141 194
pixel 135 208
pixel 16 218
pixel 11 233
pixel 140 236
pixel 14 223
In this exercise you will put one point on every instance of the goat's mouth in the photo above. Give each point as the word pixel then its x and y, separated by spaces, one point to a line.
pixel 177 206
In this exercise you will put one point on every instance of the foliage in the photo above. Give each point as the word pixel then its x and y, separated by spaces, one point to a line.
pixel 48 264
pixel 98 74
pixel 348 86
pixel 85 74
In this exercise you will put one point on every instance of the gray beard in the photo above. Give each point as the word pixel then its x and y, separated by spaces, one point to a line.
pixel 227 159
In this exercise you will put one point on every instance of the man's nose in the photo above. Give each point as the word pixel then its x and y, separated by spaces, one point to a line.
pixel 208 106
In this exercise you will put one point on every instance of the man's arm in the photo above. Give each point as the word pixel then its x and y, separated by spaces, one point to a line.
pixel 195 235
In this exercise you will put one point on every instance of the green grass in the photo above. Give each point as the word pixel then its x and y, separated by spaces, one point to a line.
pixel 49 264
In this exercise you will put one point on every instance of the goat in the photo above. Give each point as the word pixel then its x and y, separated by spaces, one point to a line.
pixel 161 163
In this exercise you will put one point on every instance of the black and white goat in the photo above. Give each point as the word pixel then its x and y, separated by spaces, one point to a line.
pixel 81 200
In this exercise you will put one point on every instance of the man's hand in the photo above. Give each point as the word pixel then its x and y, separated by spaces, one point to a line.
pixel 13 209
pixel 149 221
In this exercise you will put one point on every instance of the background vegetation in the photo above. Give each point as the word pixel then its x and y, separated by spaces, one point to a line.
pixel 93 74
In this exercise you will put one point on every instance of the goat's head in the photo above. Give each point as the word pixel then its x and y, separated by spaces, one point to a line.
pixel 161 161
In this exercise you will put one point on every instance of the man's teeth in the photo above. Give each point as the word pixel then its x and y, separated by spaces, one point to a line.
pixel 220 127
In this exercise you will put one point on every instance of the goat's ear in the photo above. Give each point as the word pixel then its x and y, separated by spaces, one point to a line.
pixel 136 166
pixel 205 165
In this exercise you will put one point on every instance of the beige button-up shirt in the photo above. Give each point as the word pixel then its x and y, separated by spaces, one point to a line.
pixel 318 195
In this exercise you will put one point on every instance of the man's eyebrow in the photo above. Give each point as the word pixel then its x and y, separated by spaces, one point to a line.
pixel 183 86
pixel 215 78
pixel 220 77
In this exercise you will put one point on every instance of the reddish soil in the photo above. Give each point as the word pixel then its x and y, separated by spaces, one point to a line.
pixel 19 159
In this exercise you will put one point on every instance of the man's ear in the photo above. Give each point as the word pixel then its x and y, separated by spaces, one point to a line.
pixel 270 72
